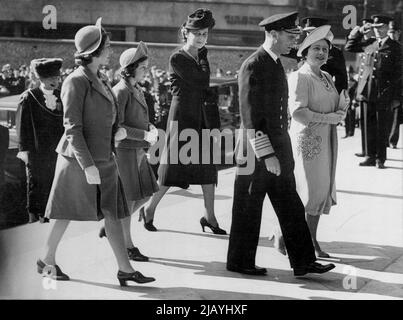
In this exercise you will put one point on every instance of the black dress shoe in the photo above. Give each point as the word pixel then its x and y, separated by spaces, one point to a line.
pixel 135 255
pixel 216 230
pixel 51 271
pixel 135 276
pixel 359 154
pixel 255 271
pixel 368 163
pixel 314 267
pixel 380 164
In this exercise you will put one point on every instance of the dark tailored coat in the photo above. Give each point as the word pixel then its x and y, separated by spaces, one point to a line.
pixel 336 67
pixel 39 130
pixel 133 116
pixel 189 82
pixel 90 122
pixel 263 96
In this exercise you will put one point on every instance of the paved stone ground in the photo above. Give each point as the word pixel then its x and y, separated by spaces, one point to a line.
pixel 363 234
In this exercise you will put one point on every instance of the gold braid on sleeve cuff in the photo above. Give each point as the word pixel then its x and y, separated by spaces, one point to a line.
pixel 261 145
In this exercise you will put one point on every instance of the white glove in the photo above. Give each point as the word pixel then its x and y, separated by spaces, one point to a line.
pixel 151 136
pixel 92 175
pixel 120 134
pixel 23 155
pixel 329 118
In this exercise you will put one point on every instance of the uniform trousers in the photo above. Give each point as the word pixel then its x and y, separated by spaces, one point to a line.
pixel 376 130
pixel 249 194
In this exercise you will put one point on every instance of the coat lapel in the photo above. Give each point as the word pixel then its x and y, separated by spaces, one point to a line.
pixel 95 83
pixel 137 94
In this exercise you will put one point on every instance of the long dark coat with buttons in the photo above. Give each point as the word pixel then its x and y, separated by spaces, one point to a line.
pixel 189 82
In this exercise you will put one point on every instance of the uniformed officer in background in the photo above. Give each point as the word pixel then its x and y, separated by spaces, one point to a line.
pixel 378 85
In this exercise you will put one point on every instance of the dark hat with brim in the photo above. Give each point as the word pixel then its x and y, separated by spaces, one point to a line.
pixel 47 67
pixel 282 22
pixel 200 19
pixel 88 38
pixel 310 23
pixel 380 20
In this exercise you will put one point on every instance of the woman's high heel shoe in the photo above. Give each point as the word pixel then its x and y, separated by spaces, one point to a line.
pixel 216 230
pixel 135 276
pixel 148 225
pixel 51 271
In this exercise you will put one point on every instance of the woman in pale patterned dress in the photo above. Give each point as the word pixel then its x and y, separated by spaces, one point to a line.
pixel 316 109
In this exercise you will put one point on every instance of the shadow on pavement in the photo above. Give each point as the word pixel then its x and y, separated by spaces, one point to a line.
pixel 186 193
pixel 370 194
pixel 177 293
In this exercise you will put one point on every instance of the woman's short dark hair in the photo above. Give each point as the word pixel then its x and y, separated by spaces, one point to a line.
pixel 130 70
pixel 304 52
pixel 86 59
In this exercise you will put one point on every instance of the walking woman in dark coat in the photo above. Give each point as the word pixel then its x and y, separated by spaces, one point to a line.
pixel 136 134
pixel 40 127
pixel 190 76
pixel 86 186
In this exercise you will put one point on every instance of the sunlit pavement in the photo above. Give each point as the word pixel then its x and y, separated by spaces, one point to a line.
pixel 363 234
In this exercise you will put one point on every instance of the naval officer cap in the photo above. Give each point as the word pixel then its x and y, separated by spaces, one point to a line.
pixel 380 20
pixel 133 55
pixel 311 23
pixel 200 19
pixel 47 67
pixel 282 22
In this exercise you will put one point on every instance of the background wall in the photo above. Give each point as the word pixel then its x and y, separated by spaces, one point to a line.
pixel 21 51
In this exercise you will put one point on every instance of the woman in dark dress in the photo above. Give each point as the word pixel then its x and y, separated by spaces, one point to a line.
pixel 40 127
pixel 190 76
pixel 87 186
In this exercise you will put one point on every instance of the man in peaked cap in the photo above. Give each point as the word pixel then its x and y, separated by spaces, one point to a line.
pixel 263 95
pixel 379 86
pixel 39 128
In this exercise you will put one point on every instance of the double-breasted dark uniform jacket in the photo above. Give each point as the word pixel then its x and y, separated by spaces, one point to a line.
pixel 90 123
pixel 263 96
pixel 379 83
pixel 189 82
pixel 39 130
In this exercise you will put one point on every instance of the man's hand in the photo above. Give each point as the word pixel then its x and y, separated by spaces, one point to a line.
pixel 92 175
pixel 273 165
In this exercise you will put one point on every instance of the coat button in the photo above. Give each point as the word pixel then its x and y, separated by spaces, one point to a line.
pixel 281 117
pixel 375 60
pixel 281 126
pixel 374 68
pixel 373 77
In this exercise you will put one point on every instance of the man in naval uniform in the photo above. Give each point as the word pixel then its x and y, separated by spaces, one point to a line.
pixel 263 97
